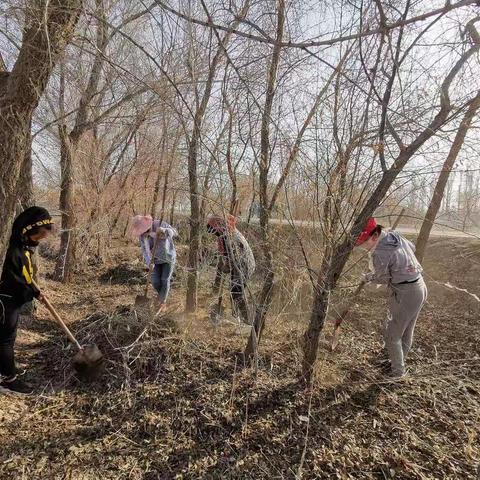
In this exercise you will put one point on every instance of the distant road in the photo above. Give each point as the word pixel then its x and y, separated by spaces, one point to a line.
pixel 440 232
pixel 436 231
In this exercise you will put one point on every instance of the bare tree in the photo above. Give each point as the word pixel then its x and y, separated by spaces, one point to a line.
pixel 49 26
pixel 192 160
pixel 438 193
pixel 268 200
pixel 87 117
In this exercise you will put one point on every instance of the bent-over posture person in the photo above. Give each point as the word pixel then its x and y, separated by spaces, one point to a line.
pixel 16 288
pixel 164 257
pixel 395 264
pixel 237 259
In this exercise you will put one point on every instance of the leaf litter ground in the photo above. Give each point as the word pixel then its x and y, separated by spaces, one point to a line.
pixel 176 401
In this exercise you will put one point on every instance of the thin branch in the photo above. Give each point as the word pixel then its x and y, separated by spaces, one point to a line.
pixel 448 7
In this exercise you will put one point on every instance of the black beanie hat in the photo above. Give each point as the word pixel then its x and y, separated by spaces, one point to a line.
pixel 28 222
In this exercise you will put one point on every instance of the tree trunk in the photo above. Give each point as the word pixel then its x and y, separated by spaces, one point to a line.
pixel 267 206
pixel 231 168
pixel 266 293
pixel 49 26
pixel 439 191
pixel 208 173
pixel 194 241
pixel 164 194
pixel 156 190
pixel 172 208
pixel 195 217
pixel 250 209
pixel 66 258
pixel 68 147
pixel 26 197
pixel 25 200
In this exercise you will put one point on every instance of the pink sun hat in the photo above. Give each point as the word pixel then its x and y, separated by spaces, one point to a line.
pixel 140 224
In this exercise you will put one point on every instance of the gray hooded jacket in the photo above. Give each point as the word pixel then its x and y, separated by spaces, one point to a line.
pixel 394 260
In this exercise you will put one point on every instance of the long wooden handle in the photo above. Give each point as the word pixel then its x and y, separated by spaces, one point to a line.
pixel 59 320
pixel 342 316
pixel 350 303
pixel 152 258
pixel 57 317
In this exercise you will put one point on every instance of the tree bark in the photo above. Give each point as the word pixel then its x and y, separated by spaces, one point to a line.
pixel 160 171
pixel 66 258
pixel 439 191
pixel 26 197
pixel 172 208
pixel 49 27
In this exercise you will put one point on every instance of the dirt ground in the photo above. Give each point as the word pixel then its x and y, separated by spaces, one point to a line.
pixel 175 401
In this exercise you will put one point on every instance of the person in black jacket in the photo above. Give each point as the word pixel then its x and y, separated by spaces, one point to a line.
pixel 16 287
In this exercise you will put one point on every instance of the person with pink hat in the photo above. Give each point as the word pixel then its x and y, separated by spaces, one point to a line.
pixel 394 264
pixel 145 228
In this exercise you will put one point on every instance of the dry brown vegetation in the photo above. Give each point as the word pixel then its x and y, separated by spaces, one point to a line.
pixel 323 111
pixel 176 401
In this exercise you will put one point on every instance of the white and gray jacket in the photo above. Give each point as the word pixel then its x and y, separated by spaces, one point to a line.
pixel 165 251
pixel 394 260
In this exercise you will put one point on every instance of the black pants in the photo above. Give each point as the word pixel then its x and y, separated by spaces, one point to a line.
pixel 8 333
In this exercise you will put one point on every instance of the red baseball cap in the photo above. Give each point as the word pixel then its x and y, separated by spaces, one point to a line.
pixel 367 230
pixel 222 225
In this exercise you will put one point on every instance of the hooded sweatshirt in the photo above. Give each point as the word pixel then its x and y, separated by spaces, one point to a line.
pixel 394 260
pixel 18 270
pixel 165 252
pixel 233 246
pixel 239 254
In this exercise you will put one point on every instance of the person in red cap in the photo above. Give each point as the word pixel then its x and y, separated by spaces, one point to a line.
pixel 394 264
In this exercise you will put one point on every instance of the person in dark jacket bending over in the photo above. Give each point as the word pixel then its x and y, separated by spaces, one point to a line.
pixel 394 264
pixel 237 259
pixel 16 288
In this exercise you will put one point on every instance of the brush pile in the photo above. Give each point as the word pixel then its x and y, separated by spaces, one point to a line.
pixel 125 274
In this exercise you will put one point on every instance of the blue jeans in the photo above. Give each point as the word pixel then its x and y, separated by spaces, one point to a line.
pixel 161 276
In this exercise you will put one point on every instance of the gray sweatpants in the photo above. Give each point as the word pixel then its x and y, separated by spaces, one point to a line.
pixel 405 304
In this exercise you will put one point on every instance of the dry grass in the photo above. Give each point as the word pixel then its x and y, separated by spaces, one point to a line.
pixel 176 400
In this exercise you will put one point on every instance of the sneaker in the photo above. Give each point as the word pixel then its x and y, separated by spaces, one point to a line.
pixel 16 385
